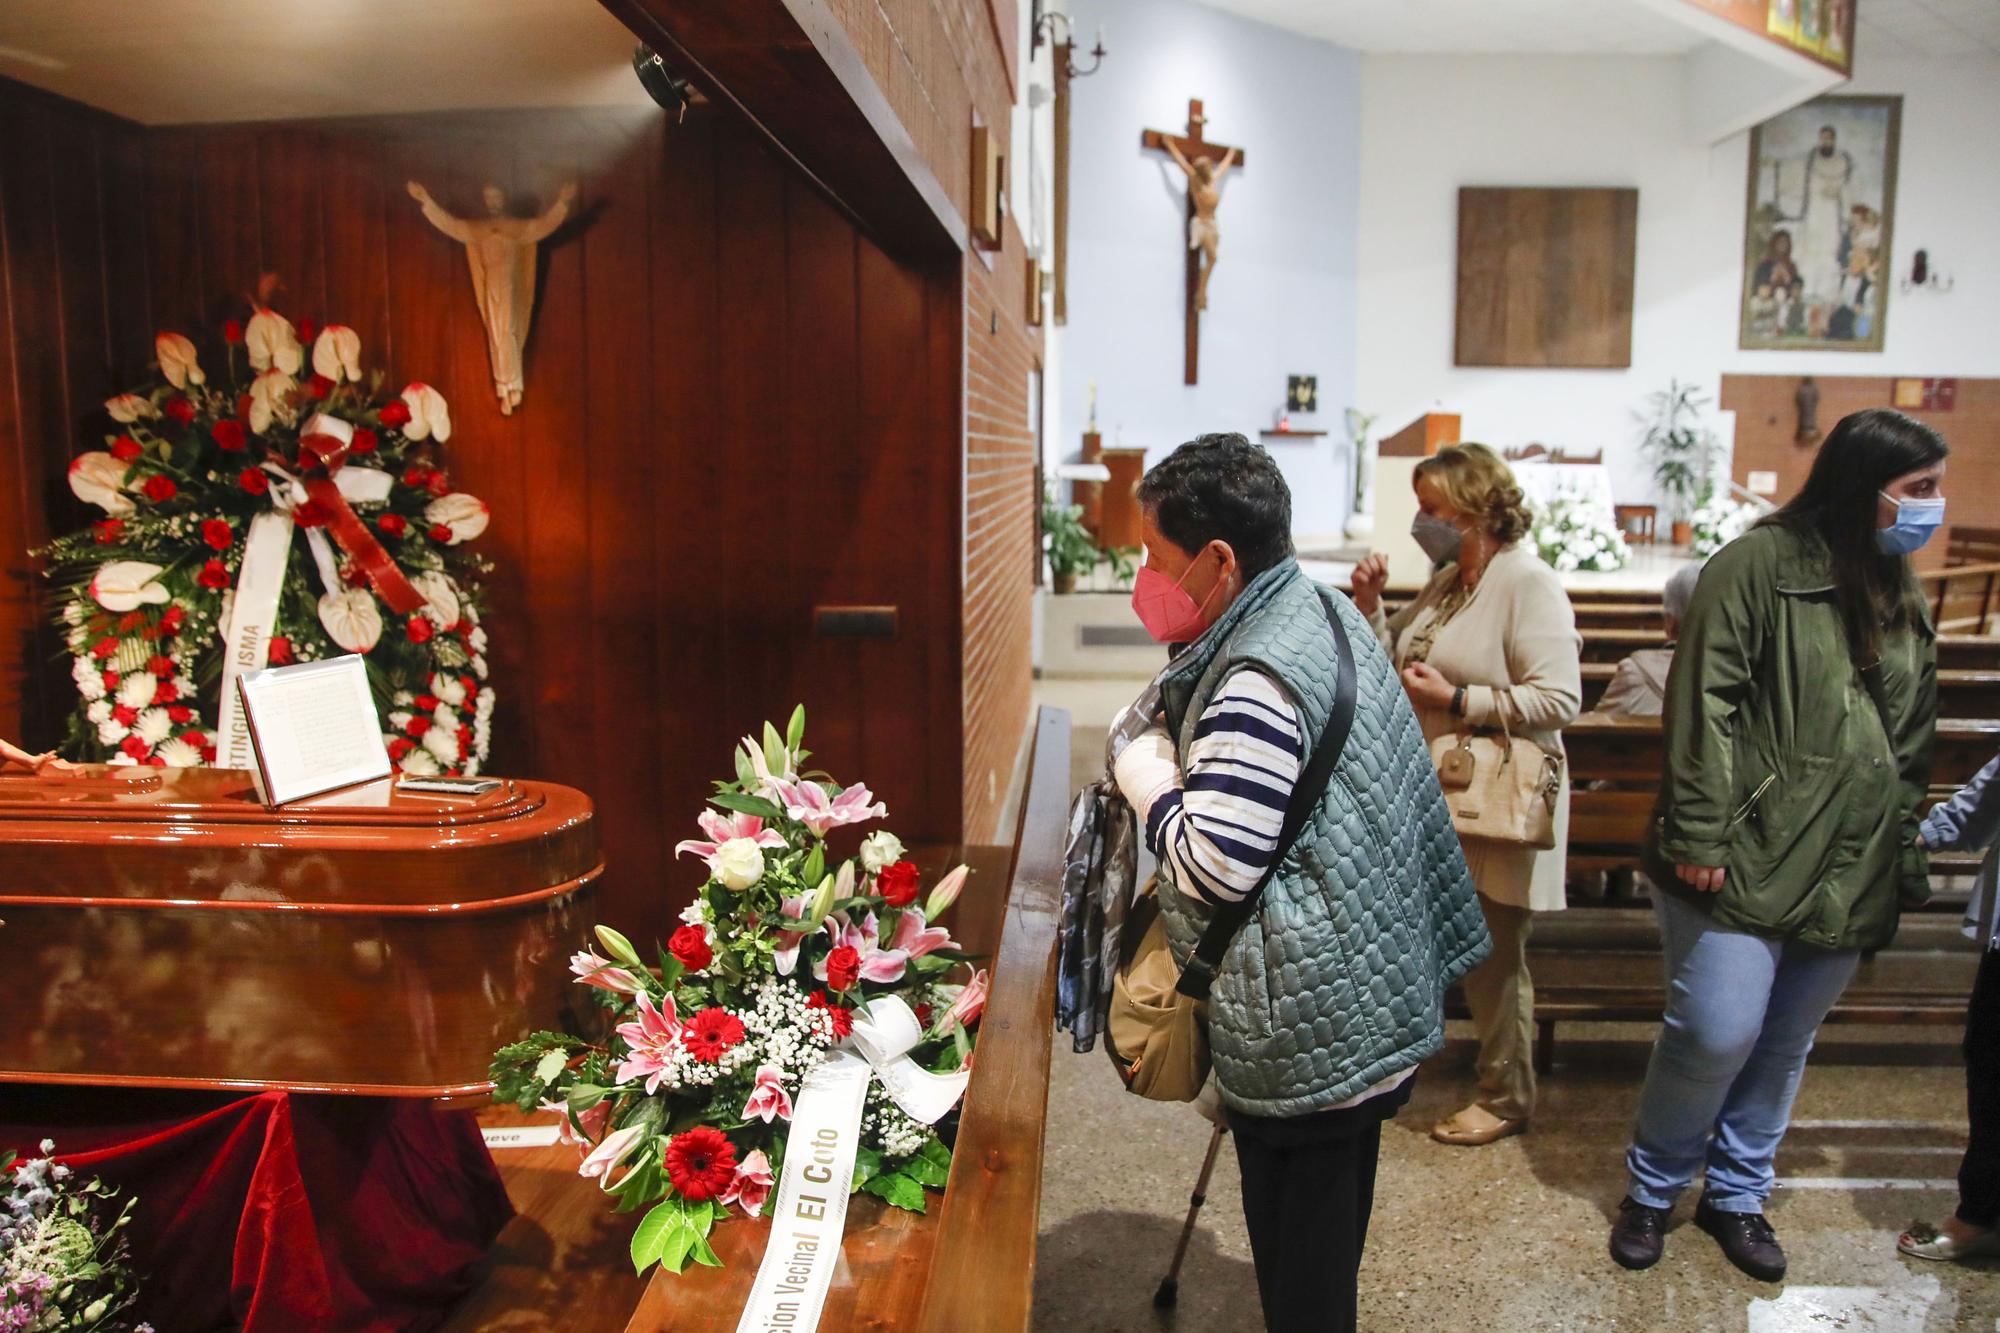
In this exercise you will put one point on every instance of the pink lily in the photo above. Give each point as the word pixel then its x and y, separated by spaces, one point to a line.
pixel 913 939
pixel 768 1099
pixel 752 1185
pixel 915 935
pixel 786 956
pixel 590 970
pixel 808 803
pixel 592 1121
pixel 607 1154
pixel 653 1039
pixel 971 1002
pixel 754 751
pixel 723 828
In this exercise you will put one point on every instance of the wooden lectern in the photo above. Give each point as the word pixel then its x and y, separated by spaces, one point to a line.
pixel 163 929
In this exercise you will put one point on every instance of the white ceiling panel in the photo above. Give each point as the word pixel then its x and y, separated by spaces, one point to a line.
pixel 1476 27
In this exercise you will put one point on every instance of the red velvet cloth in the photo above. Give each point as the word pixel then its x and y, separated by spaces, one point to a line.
pixel 280 1213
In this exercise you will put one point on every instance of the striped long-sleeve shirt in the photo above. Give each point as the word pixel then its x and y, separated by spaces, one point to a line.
pixel 1218 830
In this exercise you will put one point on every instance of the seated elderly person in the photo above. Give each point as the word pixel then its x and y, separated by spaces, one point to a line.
pixel 1639 687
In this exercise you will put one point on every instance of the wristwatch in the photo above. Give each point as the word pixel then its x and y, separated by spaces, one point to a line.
pixel 1458 702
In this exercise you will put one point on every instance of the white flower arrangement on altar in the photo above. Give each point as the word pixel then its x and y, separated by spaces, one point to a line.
pixel 1572 535
pixel 282 511
pixel 785 964
pixel 1719 522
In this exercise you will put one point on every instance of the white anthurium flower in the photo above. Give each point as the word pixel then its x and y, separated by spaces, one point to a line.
pixel 177 753
pixel 153 726
pixel 127 408
pixel 177 361
pixel 351 619
pixel 272 341
pixel 337 353
pixel 429 415
pixel 126 585
pixel 463 515
pixel 99 479
pixel 137 689
pixel 442 596
pixel 268 393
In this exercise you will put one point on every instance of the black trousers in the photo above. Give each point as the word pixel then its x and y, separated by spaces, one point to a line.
pixel 1979 1173
pixel 1308 1192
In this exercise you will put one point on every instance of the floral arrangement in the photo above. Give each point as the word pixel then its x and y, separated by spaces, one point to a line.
pixel 62 1266
pixel 1573 535
pixel 1719 522
pixel 686 1106
pixel 307 443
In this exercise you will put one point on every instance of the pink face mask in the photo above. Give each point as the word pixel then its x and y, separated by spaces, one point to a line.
pixel 1166 609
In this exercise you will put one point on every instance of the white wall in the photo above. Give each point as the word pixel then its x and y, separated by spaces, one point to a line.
pixel 1432 124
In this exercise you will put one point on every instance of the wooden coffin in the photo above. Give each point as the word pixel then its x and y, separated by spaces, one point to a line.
pixel 163 928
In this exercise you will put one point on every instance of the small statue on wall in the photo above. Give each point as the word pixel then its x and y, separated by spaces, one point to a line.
pixel 501 252
pixel 1806 401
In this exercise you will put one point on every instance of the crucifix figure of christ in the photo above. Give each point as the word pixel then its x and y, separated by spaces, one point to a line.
pixel 1205 164
pixel 501 252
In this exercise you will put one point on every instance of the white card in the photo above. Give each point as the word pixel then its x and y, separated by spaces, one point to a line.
pixel 313 729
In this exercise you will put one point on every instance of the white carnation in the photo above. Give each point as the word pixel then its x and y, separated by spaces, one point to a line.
pixel 879 849
pixel 177 753
pixel 122 760
pixel 99 711
pixel 420 763
pixel 137 690
pixel 444 715
pixel 399 720
pixel 443 744
pixel 110 731
pixel 448 688
pixel 476 640
pixel 403 699
pixel 89 680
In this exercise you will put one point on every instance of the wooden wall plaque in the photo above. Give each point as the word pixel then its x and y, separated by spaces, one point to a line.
pixel 1545 277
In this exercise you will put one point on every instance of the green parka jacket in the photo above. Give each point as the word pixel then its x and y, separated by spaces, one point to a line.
pixel 1778 764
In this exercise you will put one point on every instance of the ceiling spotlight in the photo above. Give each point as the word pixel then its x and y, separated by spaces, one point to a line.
pixel 664 86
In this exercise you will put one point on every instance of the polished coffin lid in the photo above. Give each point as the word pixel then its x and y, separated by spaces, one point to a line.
pixel 161 926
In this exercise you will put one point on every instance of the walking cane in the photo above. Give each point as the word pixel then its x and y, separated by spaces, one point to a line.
pixel 1170 1285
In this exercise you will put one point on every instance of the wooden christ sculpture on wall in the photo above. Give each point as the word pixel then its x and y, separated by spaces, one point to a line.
pixel 1205 164
pixel 501 252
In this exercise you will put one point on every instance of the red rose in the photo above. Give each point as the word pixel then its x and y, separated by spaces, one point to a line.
pixel 319 386
pixel 439 484
pixel 217 533
pixel 214 574
pixel 306 329
pixel 110 531
pixel 440 534
pixel 924 1014
pixel 160 488
pixel 843 1019
pixel 166 692
pixel 180 409
pixel 392 525
pixel 418 726
pixel 415 475
pixel 701 1163
pixel 311 514
pixel 243 405
pixel 103 648
pixel 419 629
pixel 110 681
pixel 155 760
pixel 897 883
pixel 232 330
pixel 364 441
pixel 131 620
pixel 173 619
pixel 125 449
pixel 254 481
pixel 395 413
pixel 399 747
pixel 125 715
pixel 843 968
pixel 160 665
pixel 181 713
pixel 208 757
pixel 134 746
pixel 426 703
pixel 464 739
pixel 229 434
pixel 280 652
pixel 712 1032
pixel 690 945
pixel 196 739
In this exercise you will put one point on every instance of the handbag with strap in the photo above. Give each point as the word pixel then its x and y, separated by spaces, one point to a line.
pixel 1157 1029
pixel 1500 789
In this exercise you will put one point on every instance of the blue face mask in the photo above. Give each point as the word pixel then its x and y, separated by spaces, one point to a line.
pixel 1915 521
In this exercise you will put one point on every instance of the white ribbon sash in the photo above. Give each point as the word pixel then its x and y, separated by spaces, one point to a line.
pixel 810 1209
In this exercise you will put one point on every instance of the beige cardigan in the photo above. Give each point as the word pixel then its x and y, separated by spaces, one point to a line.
pixel 1514 645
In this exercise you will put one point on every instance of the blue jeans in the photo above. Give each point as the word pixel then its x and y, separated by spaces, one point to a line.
pixel 1742 1011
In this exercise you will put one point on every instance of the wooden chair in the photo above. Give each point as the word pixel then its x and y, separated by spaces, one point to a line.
pixel 1972 546
pixel 1564 456
pixel 1637 522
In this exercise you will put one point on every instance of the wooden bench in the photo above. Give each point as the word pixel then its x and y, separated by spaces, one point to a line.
pixel 1628 750
pixel 1961 693
pixel 1958 652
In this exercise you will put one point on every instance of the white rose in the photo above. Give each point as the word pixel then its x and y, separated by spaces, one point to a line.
pixel 97 478
pixel 420 763
pixel 99 711
pixel 399 721
pixel 179 754
pixel 465 515
pixel 739 863
pixel 880 849
pixel 137 689
pixel 443 744
pixel 153 725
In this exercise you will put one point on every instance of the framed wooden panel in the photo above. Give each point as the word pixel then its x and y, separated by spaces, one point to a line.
pixel 1545 277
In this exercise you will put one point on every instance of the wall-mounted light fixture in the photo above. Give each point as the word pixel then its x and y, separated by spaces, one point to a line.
pixel 1044 29
pixel 664 86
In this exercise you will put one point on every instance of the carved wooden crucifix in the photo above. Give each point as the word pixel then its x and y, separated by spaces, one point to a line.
pixel 1205 164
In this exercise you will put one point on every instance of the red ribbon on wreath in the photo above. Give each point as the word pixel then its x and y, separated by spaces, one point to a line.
pixel 326 441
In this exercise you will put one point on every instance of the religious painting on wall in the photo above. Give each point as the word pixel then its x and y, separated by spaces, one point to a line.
pixel 1821 29
pixel 1820 213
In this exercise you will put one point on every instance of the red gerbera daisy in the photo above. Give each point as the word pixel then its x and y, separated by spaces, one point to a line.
pixel 700 1161
pixel 712 1032
pixel 843 1019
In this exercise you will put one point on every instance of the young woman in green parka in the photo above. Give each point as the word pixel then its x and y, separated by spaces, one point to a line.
pixel 1798 729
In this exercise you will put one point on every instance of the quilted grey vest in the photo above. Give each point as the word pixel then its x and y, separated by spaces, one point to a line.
pixel 1338 981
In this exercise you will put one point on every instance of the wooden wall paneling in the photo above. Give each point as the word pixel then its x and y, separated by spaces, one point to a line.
pixel 74 194
pixel 354 195
pixel 125 210
pixel 292 219
pixel 229 185
pixel 1545 277
pixel 173 228
pixel 18 502
pixel 617 249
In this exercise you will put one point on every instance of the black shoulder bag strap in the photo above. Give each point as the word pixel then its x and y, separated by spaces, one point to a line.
pixel 1199 973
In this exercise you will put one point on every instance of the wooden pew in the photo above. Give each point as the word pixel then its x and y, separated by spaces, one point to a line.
pixel 1628 750
pixel 1956 652
pixel 1961 693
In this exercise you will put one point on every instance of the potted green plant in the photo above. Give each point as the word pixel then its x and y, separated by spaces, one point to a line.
pixel 1070 547
pixel 1682 451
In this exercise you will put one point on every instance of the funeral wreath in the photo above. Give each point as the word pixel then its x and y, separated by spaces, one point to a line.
pixel 789 959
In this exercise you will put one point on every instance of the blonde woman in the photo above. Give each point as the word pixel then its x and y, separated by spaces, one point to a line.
pixel 1491 637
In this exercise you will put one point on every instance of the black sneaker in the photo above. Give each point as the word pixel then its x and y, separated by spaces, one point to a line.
pixel 1639 1234
pixel 1747 1239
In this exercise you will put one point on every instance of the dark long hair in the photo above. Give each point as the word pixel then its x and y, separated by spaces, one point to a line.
pixel 1838 505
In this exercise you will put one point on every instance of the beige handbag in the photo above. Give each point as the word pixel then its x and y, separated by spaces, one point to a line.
pixel 1501 789
pixel 1156 1036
